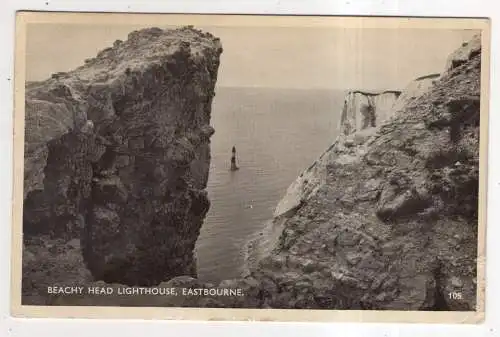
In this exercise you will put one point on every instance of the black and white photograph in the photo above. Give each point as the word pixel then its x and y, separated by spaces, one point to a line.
pixel 307 165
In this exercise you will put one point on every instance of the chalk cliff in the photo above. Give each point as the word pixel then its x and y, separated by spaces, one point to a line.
pixel 117 155
pixel 364 109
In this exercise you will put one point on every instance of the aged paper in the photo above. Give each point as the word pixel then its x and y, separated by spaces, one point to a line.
pixel 230 167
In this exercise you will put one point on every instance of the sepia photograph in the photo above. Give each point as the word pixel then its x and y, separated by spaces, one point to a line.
pixel 293 167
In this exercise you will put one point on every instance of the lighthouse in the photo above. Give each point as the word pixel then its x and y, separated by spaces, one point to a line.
pixel 233 160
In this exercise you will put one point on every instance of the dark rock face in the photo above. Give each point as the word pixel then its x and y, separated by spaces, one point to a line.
pixel 117 153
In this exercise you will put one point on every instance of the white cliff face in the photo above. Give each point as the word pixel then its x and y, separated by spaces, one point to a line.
pixel 365 110
pixel 384 104
pixel 350 119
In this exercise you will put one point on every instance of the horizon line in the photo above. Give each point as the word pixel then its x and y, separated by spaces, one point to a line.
pixel 374 90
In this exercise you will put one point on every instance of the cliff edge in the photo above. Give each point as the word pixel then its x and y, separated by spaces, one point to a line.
pixel 117 157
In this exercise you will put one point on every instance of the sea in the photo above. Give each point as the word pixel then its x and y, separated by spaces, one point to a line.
pixel 277 134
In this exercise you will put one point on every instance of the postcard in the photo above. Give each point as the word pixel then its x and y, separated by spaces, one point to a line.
pixel 246 167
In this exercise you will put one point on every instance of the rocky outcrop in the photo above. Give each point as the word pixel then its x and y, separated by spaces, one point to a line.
pixel 117 154
pixel 463 54
pixel 366 109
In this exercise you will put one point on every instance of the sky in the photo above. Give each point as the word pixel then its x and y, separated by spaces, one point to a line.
pixel 284 57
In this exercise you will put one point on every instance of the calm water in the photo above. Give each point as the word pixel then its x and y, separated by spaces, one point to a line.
pixel 277 133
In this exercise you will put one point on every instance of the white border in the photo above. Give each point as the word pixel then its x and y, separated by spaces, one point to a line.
pixel 27 18
pixel 460 8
